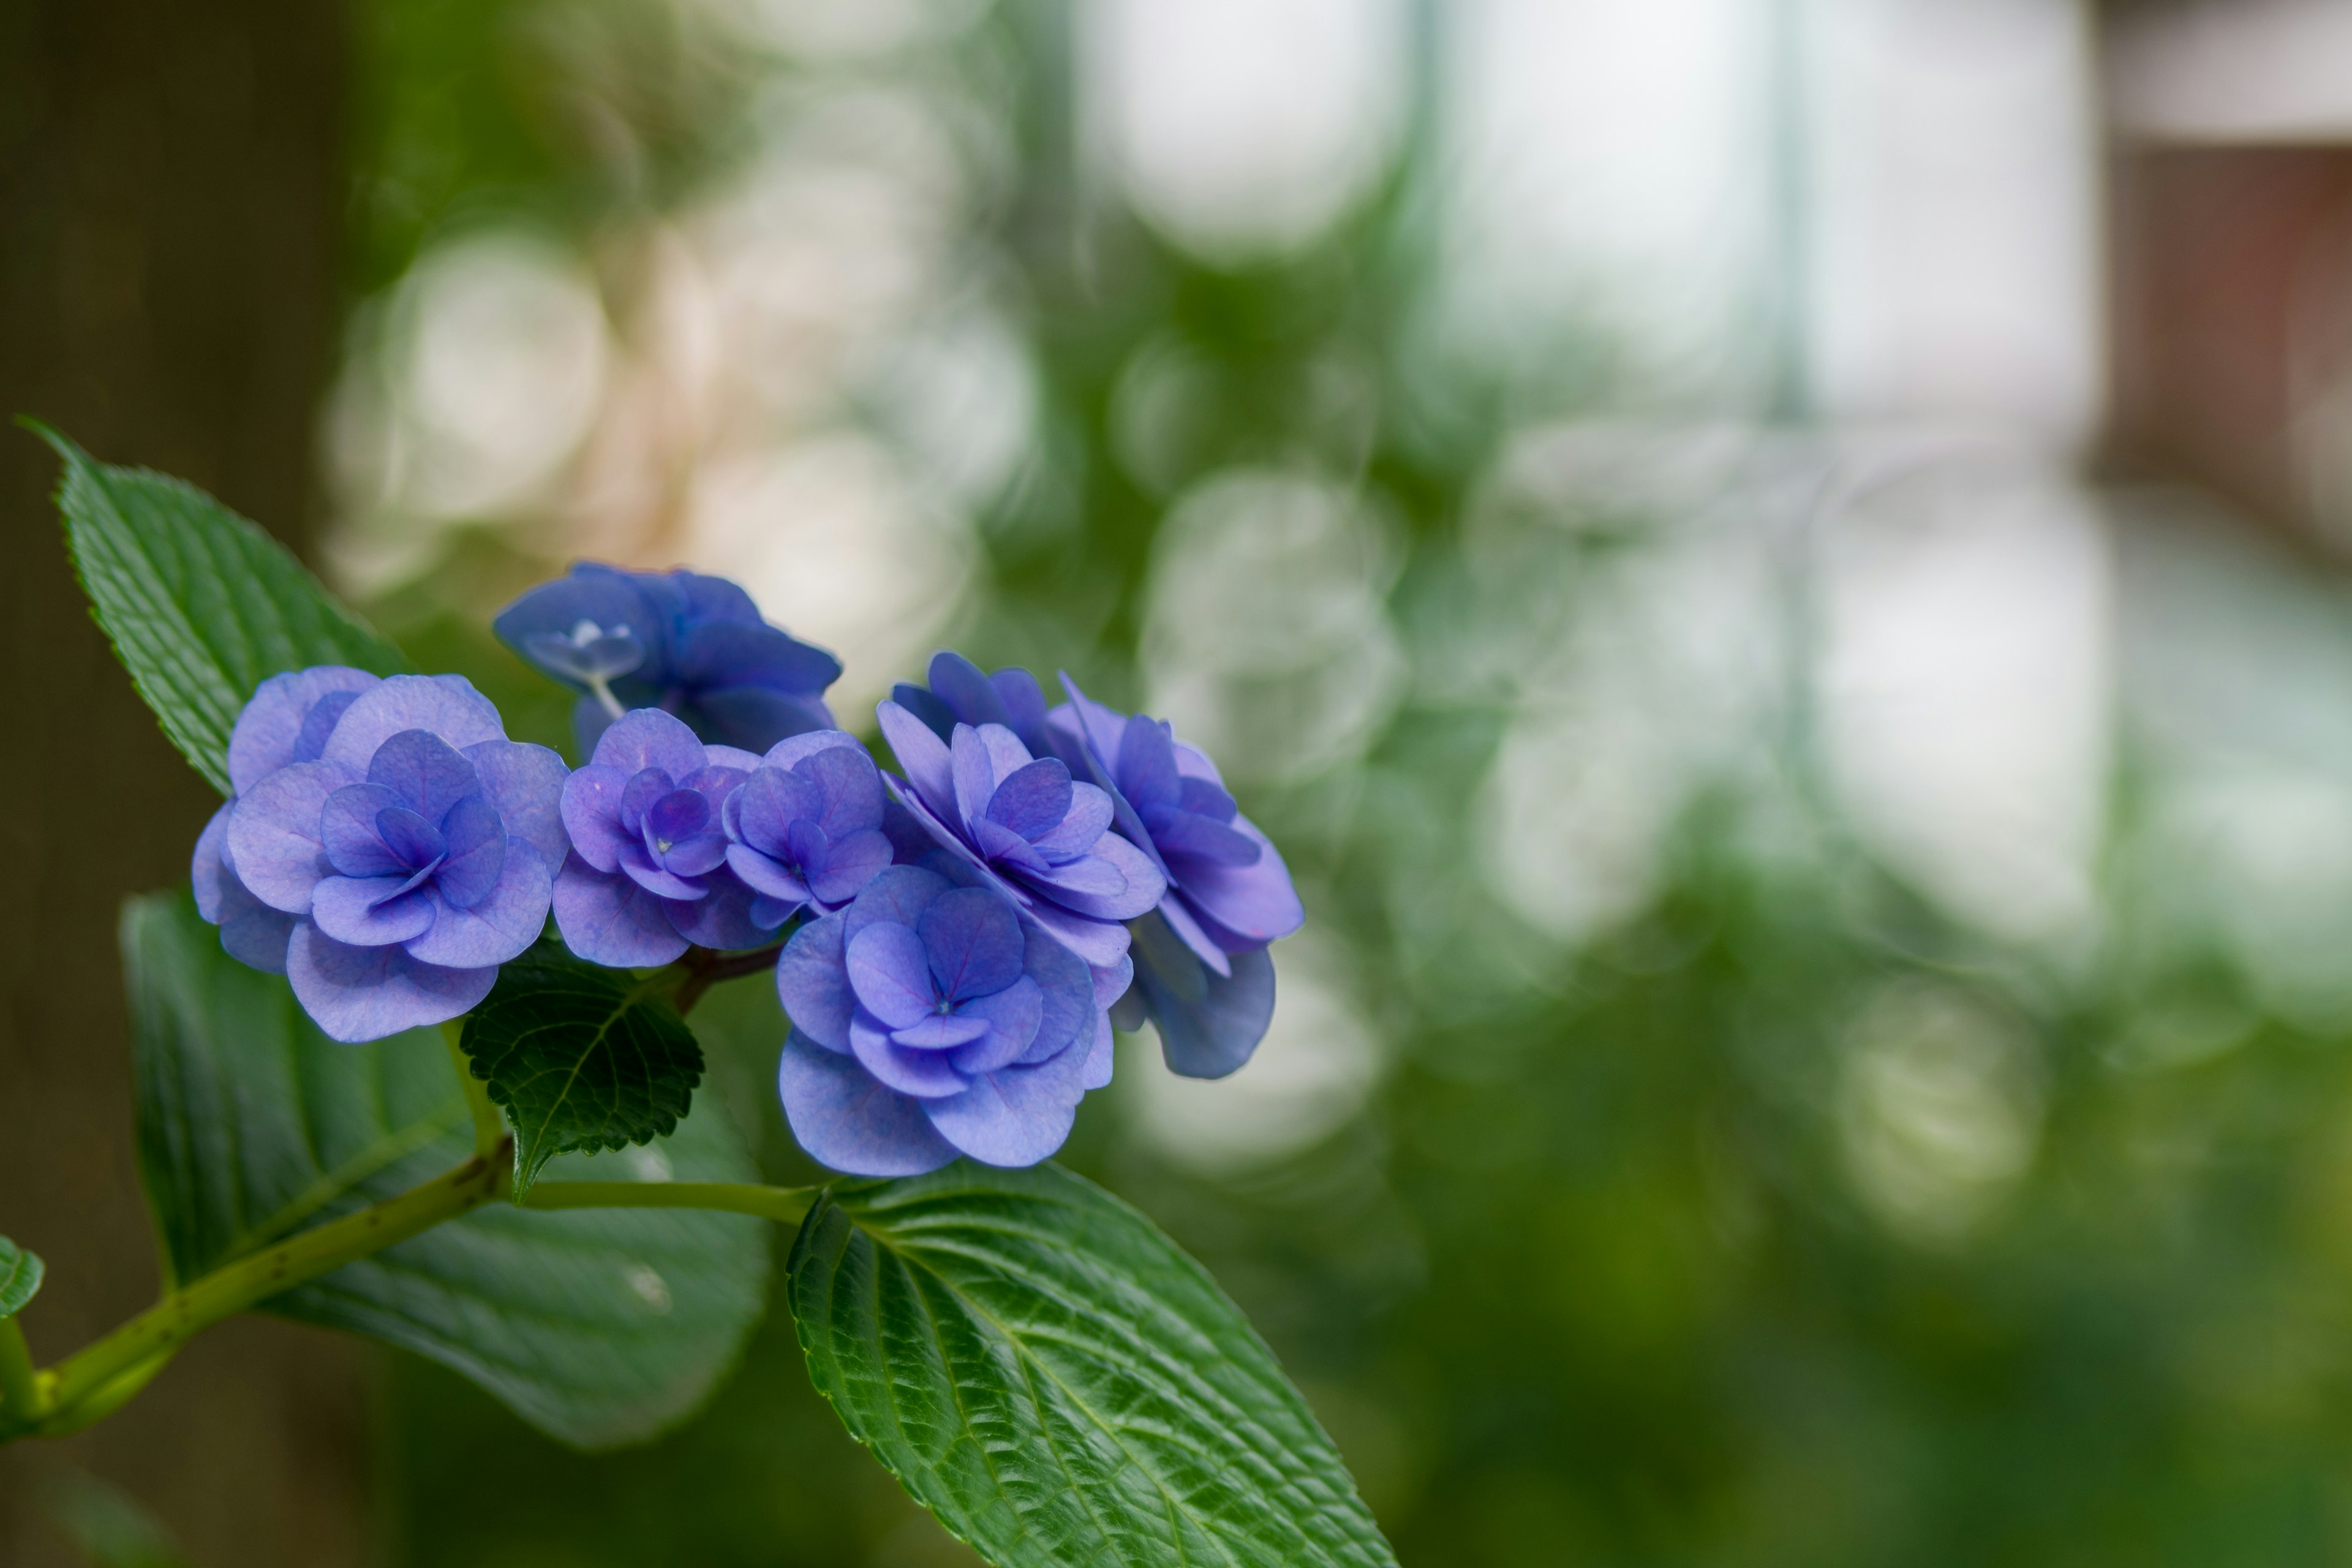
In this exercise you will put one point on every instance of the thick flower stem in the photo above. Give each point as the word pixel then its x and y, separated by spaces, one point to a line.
pixel 20 1396
pixel 163 1328
pixel 785 1205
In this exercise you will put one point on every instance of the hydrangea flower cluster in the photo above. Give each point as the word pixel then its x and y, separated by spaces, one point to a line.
pixel 968 931
pixel 930 1020
pixel 691 646
pixel 387 847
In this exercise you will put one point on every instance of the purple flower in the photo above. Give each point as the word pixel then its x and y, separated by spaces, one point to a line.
pixel 1029 830
pixel 930 1020
pixel 647 876
pixel 1201 964
pixel 959 693
pixel 687 644
pixel 805 829
pixel 388 847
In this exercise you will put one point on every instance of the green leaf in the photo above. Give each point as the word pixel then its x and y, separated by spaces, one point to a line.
pixel 201 605
pixel 1044 1370
pixel 602 1327
pixel 581 1059
pixel 20 1276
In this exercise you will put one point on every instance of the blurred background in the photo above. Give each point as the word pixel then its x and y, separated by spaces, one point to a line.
pixel 1781 571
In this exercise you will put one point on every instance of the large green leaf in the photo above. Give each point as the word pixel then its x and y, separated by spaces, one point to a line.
pixel 1044 1370
pixel 20 1278
pixel 600 1326
pixel 201 605
pixel 581 1059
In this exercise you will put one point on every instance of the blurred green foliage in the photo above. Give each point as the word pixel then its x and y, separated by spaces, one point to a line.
pixel 1590 1279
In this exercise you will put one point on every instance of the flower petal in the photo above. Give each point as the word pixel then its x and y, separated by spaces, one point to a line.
pixel 526 784
pixel 1094 941
pixel 501 925
pixel 1209 1024
pixel 926 762
pixel 357 993
pixel 372 911
pixel 477 847
pixel 849 786
pixel 1011 1017
pixel 813 985
pixel 427 774
pixel 928 1075
pixel 273 833
pixel 887 970
pixel 849 865
pixel 1035 798
pixel 794 750
pixel 268 730
pixel 940 1031
pixel 348 831
pixel 1014 1117
pixel 845 1120
pixel 762 874
pixel 1244 906
pixel 608 919
pixel 649 738
pixel 899 895
pixel 640 868
pixel 591 808
pixel 972 940
pixel 444 706
pixel 723 917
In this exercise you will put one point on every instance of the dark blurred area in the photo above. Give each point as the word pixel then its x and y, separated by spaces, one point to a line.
pixel 1776 567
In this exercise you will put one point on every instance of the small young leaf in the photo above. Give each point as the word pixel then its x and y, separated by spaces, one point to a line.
pixel 202 606
pixel 602 1327
pixel 1044 1370
pixel 581 1059
pixel 20 1276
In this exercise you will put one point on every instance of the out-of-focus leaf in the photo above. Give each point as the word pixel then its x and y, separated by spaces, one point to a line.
pixel 1053 1378
pixel 20 1278
pixel 602 1327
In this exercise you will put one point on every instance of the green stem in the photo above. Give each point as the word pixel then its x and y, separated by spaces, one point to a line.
pixel 489 1129
pixel 785 1205
pixel 164 1327
pixel 20 1390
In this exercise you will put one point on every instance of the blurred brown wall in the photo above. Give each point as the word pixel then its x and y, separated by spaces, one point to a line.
pixel 170 200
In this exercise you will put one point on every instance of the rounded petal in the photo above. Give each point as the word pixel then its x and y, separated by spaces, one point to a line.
pixel 909 1069
pixel 851 863
pixel 608 919
pixel 899 896
pixel 794 750
pixel 1244 906
pixel 273 833
pixel 1193 934
pixel 888 972
pixel 754 718
pixel 1100 1057
pixel 649 738
pixel 526 784
pixel 640 868
pixel 205 871
pixel 251 930
pixel 813 985
pixel 1096 943
pixel 270 729
pixel 476 854
pixel 600 595
pixel 1140 883
pixel 761 874
pixel 348 830
pixel 1086 820
pixel 971 939
pixel 1011 1017
pixel 845 1120
pixel 503 925
pixel 590 804
pixel 372 911
pixel 428 773
pixel 1209 1024
pixel 1066 988
pixel 444 706
pixel 358 993
pixel 850 787
pixel 1015 1117
pixel 722 918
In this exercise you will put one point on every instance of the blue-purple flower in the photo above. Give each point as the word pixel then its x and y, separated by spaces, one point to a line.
pixel 647 876
pixel 805 829
pixel 1203 974
pixel 1028 829
pixel 692 646
pixel 930 1020
pixel 388 847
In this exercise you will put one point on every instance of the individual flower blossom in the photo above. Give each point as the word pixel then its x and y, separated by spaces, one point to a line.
pixel 647 876
pixel 805 829
pixel 930 1020
pixel 1028 829
pixel 407 844
pixel 1201 972
pixel 692 646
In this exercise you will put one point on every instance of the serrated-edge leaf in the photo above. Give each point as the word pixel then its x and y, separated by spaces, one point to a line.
pixel 581 1059
pixel 1051 1376
pixel 201 605
pixel 20 1276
